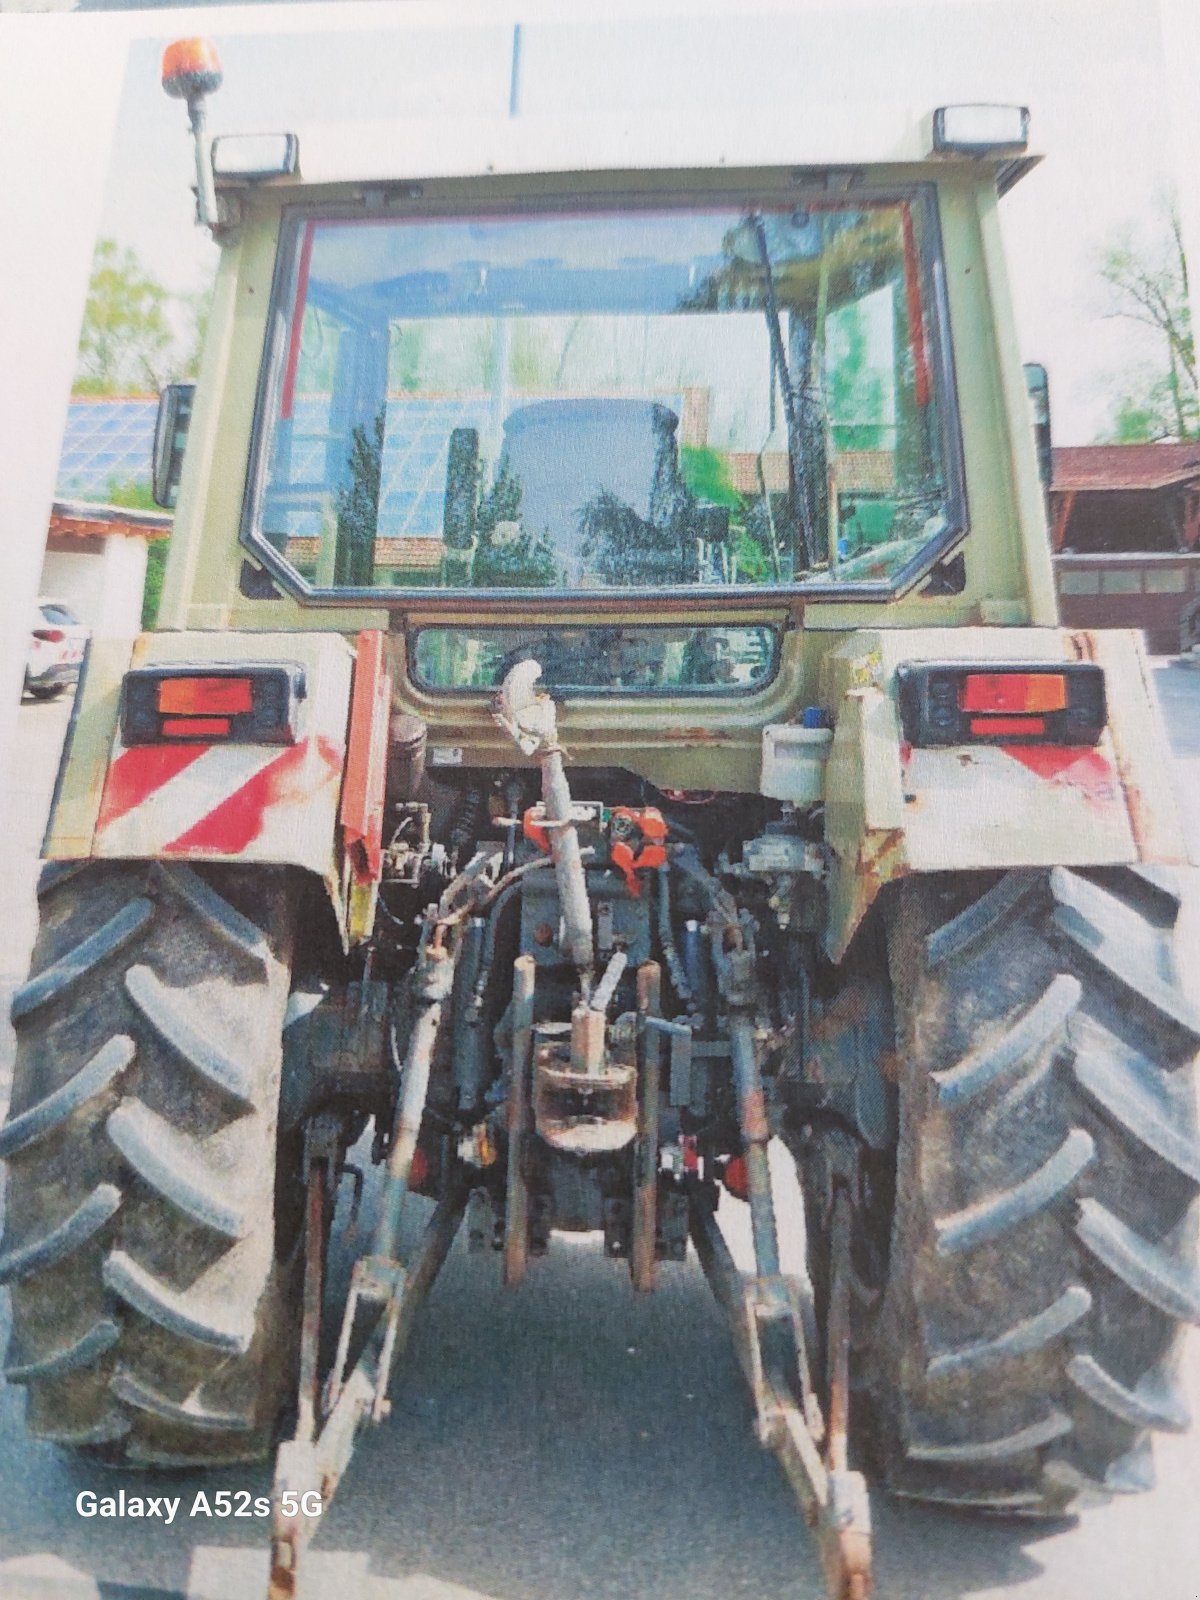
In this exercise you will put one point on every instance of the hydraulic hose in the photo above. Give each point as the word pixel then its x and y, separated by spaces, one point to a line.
pixel 666 938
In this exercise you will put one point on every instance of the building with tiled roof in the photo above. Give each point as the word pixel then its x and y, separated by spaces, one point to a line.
pixel 1114 497
pixel 1125 526
pixel 96 552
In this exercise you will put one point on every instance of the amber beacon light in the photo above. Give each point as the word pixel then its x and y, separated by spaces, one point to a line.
pixel 191 71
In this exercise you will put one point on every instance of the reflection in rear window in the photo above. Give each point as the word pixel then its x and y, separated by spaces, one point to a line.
pixel 630 660
pixel 724 398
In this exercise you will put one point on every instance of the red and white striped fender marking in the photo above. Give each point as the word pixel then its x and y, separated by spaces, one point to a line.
pixel 218 800
pixel 1014 805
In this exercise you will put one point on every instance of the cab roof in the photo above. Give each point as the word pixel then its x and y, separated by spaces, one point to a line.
pixel 814 141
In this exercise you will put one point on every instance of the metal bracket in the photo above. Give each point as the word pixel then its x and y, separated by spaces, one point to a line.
pixel 377 1281
pixel 833 1499
pixel 679 1092
pixel 309 1466
pixel 643 1247
pixel 313 1461
pixel 516 1209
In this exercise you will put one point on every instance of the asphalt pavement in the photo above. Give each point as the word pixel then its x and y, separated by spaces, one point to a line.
pixel 565 1442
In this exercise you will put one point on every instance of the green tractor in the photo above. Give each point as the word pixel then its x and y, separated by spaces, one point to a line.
pixel 608 713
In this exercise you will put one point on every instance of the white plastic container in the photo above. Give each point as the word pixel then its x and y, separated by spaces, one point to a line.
pixel 793 762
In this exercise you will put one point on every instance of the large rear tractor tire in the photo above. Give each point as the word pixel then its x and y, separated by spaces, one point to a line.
pixel 1042 1256
pixel 153 1290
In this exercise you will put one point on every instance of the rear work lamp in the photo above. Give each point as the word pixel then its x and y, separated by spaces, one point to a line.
pixel 252 157
pixel 230 705
pixel 954 703
pixel 981 130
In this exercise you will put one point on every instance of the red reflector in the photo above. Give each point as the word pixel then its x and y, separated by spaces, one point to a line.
pixel 195 728
pixel 418 1172
pixel 1014 691
pixel 49 635
pixel 205 696
pixel 1008 727
pixel 737 1178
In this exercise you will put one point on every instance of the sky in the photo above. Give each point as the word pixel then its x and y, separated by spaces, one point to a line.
pixel 1092 72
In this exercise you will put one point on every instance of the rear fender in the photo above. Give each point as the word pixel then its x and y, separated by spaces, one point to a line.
pixel 251 803
pixel 892 810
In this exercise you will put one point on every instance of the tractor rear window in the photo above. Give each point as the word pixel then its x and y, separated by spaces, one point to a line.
pixel 676 400
pixel 621 660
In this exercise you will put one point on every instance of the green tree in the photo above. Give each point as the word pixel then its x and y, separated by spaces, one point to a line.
pixel 136 496
pixel 533 359
pixel 405 357
pixel 507 557
pixel 126 340
pixel 195 307
pixel 157 552
pixel 1147 283
pixel 137 334
pixel 706 473
pixel 855 398
pixel 319 335
pixel 624 548
pixel 358 508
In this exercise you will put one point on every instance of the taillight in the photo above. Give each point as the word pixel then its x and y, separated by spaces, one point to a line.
pixel 49 635
pixel 1013 692
pixel 195 727
pixel 238 705
pixel 195 696
pixel 947 703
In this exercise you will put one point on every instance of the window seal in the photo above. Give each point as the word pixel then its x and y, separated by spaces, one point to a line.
pixel 702 691
pixel 499 601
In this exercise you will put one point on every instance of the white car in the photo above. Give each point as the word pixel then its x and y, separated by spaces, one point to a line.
pixel 55 650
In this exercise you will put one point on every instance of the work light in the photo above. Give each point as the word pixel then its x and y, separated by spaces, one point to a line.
pixel 980 130
pixel 254 156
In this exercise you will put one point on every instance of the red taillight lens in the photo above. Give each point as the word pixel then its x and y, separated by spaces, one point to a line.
pixel 1008 693
pixel 1008 727
pixel 191 697
pixel 49 635
pixel 195 727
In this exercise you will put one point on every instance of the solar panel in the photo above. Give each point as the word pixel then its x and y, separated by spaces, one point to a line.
pixel 415 449
pixel 106 448
pixel 413 471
